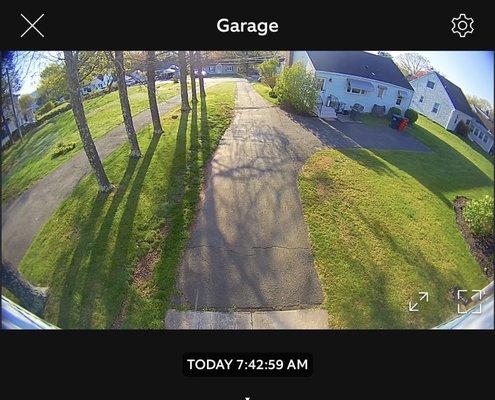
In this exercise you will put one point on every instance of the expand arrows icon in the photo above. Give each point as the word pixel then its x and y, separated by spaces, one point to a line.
pixel 413 307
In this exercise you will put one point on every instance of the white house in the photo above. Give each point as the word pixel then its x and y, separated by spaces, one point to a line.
pixel 8 124
pixel 346 78
pixel 444 102
pixel 97 84
pixel 221 69
pixel 482 130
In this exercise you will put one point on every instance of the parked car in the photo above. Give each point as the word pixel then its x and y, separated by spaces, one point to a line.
pixel 129 81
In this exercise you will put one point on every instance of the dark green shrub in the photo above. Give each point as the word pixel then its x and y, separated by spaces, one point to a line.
pixel 63 148
pixel 273 94
pixel 297 89
pixel 394 111
pixel 48 106
pixel 462 129
pixel 411 115
pixel 53 113
pixel 479 216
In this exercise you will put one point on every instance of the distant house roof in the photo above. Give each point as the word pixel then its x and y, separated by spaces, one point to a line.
pixel 484 118
pixel 456 96
pixel 359 63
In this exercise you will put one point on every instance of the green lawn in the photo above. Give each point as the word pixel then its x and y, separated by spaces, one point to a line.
pixel 263 90
pixel 30 160
pixel 382 228
pixel 110 260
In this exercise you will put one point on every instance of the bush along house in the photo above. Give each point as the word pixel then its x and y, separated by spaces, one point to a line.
pixel 347 79
pixel 444 102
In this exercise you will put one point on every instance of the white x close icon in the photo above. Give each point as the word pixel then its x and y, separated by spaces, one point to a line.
pixel 32 25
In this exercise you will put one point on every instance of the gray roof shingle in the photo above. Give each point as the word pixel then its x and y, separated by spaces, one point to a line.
pixel 457 97
pixel 361 64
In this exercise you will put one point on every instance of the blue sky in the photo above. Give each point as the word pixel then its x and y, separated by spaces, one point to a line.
pixel 471 70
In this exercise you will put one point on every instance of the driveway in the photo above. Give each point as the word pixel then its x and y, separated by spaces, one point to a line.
pixel 342 135
pixel 23 217
pixel 249 248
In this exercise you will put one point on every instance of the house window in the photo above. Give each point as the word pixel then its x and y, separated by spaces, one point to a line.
pixel 430 85
pixel 456 119
pixel 468 122
pixel 211 69
pixel 399 100
pixel 229 68
pixel 435 108
pixel 421 99
pixel 321 84
pixel 485 139
pixel 355 90
pixel 381 91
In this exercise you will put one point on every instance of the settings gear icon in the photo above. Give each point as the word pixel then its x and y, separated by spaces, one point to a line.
pixel 462 25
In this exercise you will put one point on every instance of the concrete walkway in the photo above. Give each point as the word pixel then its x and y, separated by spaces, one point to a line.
pixel 23 217
pixel 249 248
pixel 290 319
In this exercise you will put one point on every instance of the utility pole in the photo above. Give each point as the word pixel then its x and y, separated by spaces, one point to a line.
pixel 13 105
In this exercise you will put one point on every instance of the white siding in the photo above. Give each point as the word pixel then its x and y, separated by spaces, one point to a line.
pixel 430 97
pixel 482 137
pixel 338 87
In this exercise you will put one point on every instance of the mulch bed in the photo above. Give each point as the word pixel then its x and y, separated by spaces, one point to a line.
pixel 482 247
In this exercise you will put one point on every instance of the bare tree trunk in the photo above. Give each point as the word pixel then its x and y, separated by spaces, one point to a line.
pixel 5 126
pixel 31 298
pixel 82 124
pixel 194 97
pixel 183 81
pixel 124 103
pixel 14 112
pixel 150 74
pixel 199 61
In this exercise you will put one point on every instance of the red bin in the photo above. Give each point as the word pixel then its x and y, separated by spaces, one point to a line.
pixel 403 124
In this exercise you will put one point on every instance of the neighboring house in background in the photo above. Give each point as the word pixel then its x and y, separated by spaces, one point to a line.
pixel 482 132
pixel 8 124
pixel 349 77
pixel 98 84
pixel 221 69
pixel 444 102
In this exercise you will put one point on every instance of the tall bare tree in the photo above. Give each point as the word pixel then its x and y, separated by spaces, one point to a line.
pixel 199 62
pixel 118 60
pixel 192 64
pixel 71 65
pixel 151 76
pixel 32 298
pixel 183 81
pixel 412 63
pixel 13 105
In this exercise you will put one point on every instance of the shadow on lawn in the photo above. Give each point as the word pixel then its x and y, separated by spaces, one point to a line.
pixel 180 182
pixel 378 307
pixel 72 274
pixel 444 170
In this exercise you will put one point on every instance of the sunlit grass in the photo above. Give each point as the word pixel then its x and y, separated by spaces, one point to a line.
pixel 28 161
pixel 382 228
pixel 89 251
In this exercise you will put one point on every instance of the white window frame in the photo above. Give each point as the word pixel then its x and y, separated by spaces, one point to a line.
pixel 433 83
pixel 229 68
pixel 438 108
pixel 382 90
pixel 360 92
pixel 321 84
